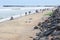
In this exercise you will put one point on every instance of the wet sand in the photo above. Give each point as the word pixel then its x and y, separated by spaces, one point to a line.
pixel 21 28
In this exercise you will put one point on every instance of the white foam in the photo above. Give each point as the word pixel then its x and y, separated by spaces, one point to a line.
pixel 5 19
pixel 17 16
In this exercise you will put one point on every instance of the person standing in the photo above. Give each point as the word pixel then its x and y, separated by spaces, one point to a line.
pixel 11 18
pixel 29 12
pixel 25 13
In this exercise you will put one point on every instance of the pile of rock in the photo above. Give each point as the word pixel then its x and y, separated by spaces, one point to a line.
pixel 50 28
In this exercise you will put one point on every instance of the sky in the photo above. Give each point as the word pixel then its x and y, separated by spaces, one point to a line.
pixel 29 2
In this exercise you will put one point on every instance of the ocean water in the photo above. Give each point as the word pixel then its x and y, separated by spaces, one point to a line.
pixel 6 12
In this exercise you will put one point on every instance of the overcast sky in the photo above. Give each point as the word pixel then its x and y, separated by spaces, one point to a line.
pixel 29 2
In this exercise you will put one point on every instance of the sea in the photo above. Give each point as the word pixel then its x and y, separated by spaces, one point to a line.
pixel 6 12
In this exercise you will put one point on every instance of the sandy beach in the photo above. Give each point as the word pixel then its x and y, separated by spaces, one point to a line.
pixel 21 28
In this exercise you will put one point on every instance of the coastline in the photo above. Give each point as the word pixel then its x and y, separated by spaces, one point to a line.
pixel 21 28
pixel 22 14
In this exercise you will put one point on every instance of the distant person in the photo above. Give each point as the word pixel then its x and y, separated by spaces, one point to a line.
pixel 11 18
pixel 43 9
pixel 36 11
pixel 40 9
pixel 29 12
pixel 47 9
pixel 25 13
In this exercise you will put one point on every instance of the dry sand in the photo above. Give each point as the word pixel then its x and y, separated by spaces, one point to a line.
pixel 21 28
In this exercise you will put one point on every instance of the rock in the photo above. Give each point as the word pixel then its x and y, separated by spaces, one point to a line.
pixel 35 27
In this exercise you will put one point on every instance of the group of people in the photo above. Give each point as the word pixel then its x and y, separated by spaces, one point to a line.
pixel 26 13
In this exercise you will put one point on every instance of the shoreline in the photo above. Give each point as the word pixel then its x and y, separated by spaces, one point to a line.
pixel 21 28
pixel 21 15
